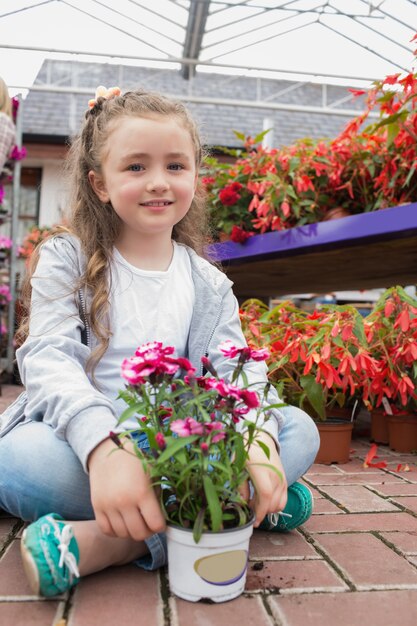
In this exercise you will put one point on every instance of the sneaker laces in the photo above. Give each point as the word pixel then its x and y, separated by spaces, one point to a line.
pixel 67 558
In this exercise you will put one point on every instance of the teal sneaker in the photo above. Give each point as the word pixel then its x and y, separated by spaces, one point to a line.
pixel 50 556
pixel 298 509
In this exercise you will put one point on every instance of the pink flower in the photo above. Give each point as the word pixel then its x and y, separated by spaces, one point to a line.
pixel 238 413
pixel 230 351
pixel 5 242
pixel 150 360
pixel 18 155
pixel 259 355
pixel 250 398
pixel 187 427
pixel 185 364
pixel 5 294
pixel 217 428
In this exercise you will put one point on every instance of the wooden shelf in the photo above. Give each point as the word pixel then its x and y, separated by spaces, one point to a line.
pixel 363 251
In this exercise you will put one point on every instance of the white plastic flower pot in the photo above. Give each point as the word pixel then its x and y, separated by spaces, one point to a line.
pixel 214 568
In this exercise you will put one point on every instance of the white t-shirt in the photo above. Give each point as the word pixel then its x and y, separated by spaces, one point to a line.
pixel 145 306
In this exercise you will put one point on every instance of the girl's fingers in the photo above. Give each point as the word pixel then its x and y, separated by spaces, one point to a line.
pixel 136 526
pixel 117 524
pixel 270 493
pixel 152 514
pixel 244 491
pixel 104 524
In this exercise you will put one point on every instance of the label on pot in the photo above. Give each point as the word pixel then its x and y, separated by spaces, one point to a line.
pixel 387 406
pixel 223 568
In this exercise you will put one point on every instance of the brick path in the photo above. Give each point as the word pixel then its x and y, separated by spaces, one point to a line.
pixel 354 562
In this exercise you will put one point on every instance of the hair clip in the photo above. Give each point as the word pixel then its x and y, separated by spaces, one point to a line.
pixel 103 92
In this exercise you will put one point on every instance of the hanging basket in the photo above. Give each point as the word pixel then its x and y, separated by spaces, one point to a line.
pixel 335 441
pixel 212 569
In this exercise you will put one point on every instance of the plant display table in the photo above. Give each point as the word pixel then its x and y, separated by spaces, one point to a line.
pixel 363 251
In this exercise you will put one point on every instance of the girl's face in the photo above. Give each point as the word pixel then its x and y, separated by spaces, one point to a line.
pixel 148 174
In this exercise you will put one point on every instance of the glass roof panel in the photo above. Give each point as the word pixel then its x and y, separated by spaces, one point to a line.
pixel 345 38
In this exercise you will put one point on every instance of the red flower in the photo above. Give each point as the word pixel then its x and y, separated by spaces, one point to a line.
pixel 357 92
pixel 373 455
pixel 285 208
pixel 229 194
pixel 304 183
pixel 238 235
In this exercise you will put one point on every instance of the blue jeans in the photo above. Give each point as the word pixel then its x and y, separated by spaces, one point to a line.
pixel 40 473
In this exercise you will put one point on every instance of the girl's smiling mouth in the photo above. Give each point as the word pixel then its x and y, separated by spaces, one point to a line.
pixel 157 203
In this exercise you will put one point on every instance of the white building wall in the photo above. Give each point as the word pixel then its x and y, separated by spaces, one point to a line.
pixel 52 196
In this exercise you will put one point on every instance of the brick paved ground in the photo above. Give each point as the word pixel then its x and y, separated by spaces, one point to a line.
pixel 354 562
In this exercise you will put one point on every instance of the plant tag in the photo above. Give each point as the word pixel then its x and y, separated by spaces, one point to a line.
pixel 387 406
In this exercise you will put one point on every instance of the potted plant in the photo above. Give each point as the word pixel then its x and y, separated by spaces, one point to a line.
pixel 319 359
pixel 392 335
pixel 197 462
pixel 32 239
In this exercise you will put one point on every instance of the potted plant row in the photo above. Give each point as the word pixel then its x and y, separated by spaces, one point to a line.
pixel 391 395
pixel 199 440
pixel 318 359
pixel 333 361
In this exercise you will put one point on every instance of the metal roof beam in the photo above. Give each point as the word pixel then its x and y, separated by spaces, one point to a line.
pixel 338 32
pixel 232 102
pixel 192 62
pixel 196 26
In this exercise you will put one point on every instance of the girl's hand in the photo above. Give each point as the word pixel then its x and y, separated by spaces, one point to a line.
pixel 270 488
pixel 124 502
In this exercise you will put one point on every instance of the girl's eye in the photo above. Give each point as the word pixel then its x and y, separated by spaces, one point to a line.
pixel 135 167
pixel 175 166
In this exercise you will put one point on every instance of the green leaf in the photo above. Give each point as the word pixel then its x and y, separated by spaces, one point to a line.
pixel 130 412
pixel 265 448
pixel 409 175
pixel 260 137
pixel 359 330
pixel 314 393
pixel 213 503
pixel 278 405
pixel 240 136
pixel 393 130
pixel 199 525
pixel 240 453
pixel 269 466
pixel 174 444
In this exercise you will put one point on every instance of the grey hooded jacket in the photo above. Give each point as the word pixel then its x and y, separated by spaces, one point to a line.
pixel 52 360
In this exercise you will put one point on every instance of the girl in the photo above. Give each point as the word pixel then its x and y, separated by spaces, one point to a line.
pixel 129 270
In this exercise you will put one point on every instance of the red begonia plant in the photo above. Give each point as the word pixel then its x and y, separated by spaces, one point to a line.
pixel 319 358
pixel 364 168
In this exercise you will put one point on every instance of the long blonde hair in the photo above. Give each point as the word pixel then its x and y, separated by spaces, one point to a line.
pixel 96 224
pixel 5 99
